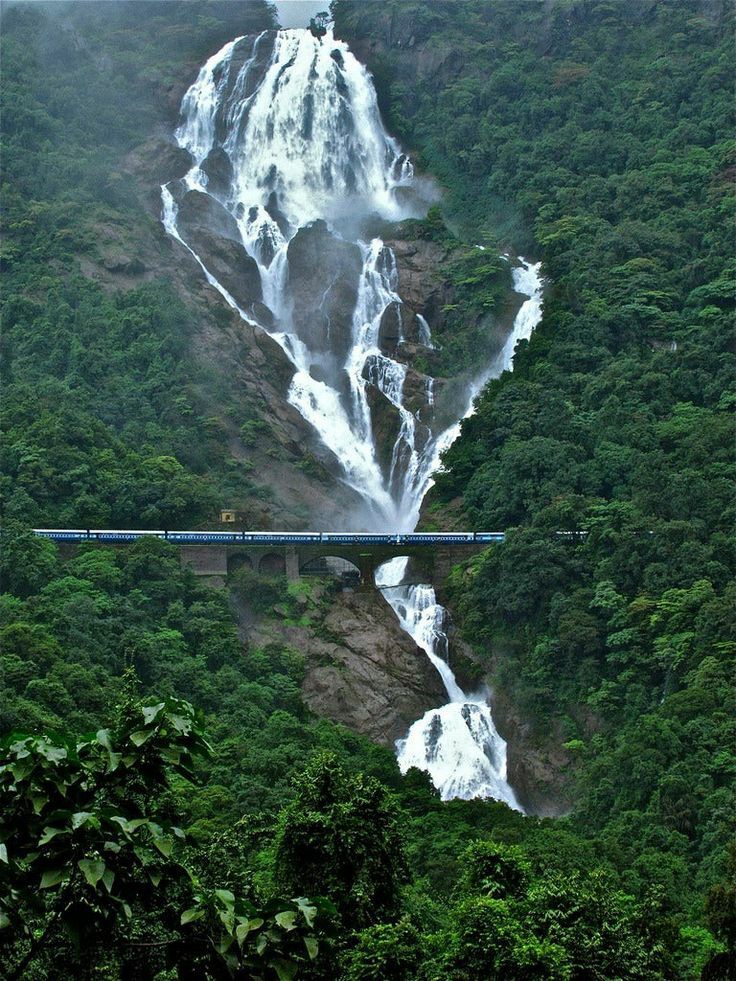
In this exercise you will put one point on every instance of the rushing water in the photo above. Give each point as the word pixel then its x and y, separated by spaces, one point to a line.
pixel 457 744
pixel 284 130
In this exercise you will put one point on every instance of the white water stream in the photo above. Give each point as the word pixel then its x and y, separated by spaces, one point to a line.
pixel 457 744
pixel 297 123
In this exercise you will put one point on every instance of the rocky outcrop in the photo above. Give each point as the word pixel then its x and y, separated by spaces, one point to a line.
pixel 212 232
pixel 219 172
pixel 162 160
pixel 324 273
pixel 538 768
pixel 391 328
pixel 386 424
pixel 362 670
pixel 424 289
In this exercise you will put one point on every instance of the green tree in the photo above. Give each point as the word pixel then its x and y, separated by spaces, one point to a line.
pixel 88 854
pixel 341 837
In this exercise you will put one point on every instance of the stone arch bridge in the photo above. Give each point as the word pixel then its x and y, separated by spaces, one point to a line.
pixel 216 554
pixel 218 561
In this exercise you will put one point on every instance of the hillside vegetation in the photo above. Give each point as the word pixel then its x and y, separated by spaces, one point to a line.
pixel 244 837
pixel 599 136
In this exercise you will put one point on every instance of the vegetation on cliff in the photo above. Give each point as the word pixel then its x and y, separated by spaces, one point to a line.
pixel 592 135
pixel 598 136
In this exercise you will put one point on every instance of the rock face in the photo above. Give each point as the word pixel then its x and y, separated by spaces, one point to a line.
pixel 323 275
pixel 219 171
pixel 423 285
pixel 539 768
pixel 386 423
pixel 390 330
pixel 162 160
pixel 362 670
pixel 539 772
pixel 212 232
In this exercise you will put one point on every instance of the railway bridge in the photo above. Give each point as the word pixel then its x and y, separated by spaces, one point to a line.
pixel 215 555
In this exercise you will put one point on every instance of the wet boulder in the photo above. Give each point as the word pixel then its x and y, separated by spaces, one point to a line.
pixel 159 160
pixel 201 212
pixel 390 330
pixel 386 425
pixel 211 231
pixel 219 171
pixel 324 273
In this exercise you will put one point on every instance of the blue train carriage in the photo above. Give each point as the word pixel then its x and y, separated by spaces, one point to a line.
pixel 490 536
pixel 121 535
pixel 62 534
pixel 281 537
pixel 202 537
pixel 436 538
pixel 358 538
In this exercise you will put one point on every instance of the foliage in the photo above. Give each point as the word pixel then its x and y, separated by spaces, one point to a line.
pixel 86 843
pixel 597 136
pixel 340 836
pixel 387 952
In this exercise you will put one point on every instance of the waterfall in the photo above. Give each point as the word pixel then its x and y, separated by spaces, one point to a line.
pixel 291 167
pixel 296 123
pixel 457 743
pixel 425 334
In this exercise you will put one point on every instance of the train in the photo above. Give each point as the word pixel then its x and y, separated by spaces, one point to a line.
pixel 271 538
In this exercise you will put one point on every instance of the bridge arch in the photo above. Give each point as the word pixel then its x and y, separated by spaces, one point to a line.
pixel 331 565
pixel 238 561
pixel 272 564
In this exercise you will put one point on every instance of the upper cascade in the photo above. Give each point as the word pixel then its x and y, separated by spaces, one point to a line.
pixel 290 159
pixel 290 163
pixel 298 121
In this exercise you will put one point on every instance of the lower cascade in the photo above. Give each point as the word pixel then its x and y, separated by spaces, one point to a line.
pixel 291 170
pixel 457 744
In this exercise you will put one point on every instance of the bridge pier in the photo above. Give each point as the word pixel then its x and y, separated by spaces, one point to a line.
pixel 292 565
pixel 444 560
pixel 367 567
pixel 205 560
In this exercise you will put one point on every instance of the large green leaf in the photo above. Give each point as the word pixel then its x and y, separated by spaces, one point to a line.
pixel 164 845
pixel 191 914
pixel 49 833
pixel 243 929
pixel 52 877
pixel 92 869
pixel 141 736
pixel 151 712
pixel 307 910
pixel 286 920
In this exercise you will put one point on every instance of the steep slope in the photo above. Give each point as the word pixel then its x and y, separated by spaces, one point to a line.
pixel 603 130
pixel 109 327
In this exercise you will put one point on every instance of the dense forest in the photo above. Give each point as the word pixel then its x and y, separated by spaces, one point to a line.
pixel 170 808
